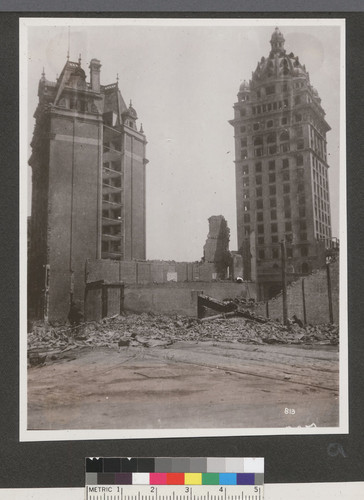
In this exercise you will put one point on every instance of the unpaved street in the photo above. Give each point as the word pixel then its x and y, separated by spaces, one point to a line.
pixel 188 384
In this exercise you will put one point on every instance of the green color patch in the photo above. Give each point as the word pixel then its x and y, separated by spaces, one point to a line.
pixel 210 478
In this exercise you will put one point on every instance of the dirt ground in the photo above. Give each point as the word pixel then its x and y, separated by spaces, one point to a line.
pixel 186 384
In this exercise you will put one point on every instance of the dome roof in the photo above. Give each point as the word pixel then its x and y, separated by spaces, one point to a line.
pixel 277 36
pixel 131 112
pixel 279 63
pixel 244 86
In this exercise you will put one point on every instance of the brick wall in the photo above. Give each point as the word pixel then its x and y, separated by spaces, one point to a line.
pixel 316 298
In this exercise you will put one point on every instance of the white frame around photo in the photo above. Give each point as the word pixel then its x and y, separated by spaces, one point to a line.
pixel 27 24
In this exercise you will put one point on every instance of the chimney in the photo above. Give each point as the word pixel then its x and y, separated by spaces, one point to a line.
pixel 95 66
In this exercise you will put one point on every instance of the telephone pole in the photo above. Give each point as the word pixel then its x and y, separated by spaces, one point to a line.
pixel 284 282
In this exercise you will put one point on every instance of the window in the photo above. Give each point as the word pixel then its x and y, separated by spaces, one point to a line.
pixel 271 138
pixel 303 236
pixel 258 152
pixel 304 251
pixel 246 217
pixel 272 165
pixel 299 132
pixel 245 169
pixel 270 90
pixel 258 167
pixel 286 188
pixel 259 216
pixel 244 142
pixel 303 224
pixel 246 194
pixel 247 230
pixel 243 112
pixel 286 175
pixel 300 187
pixel 300 144
pixel 269 123
pixel 260 229
pixel 246 206
pixel 258 94
pixel 284 147
pixel 245 181
pixel 258 179
pixel 287 213
pixel 274 227
pixel 259 192
pixel 256 126
pixel 298 117
pixel 286 201
pixel 297 99
pixel 260 240
pixel 272 202
pixel 275 106
pixel 284 87
pixel 272 190
pixel 244 154
pixel 300 174
pixel 302 212
pixel 259 204
pixel 285 163
pixel 275 253
pixel 284 120
pixel 272 149
pixel 273 214
pixel 258 141
pixel 242 129
pixel 288 226
pixel 261 254
pixel 302 199
pixel 272 177
pixel 274 239
pixel 299 160
pixel 284 136
pixel 289 253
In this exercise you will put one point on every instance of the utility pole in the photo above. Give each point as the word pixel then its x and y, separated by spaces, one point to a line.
pixel 329 292
pixel 284 282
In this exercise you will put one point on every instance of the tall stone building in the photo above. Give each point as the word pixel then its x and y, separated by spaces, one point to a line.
pixel 88 186
pixel 282 190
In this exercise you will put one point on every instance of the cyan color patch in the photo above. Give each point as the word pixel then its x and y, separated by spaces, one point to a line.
pixel 227 478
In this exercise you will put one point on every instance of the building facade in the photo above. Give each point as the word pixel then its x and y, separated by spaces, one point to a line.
pixel 282 190
pixel 88 186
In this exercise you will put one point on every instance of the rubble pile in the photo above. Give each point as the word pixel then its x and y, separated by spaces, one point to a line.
pixel 149 330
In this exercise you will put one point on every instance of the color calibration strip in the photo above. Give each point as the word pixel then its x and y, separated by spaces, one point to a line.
pixel 175 471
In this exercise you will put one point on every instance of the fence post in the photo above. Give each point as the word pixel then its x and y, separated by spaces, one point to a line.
pixel 304 302
pixel 267 309
pixel 329 292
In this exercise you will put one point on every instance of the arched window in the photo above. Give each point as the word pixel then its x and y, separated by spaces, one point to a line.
pixel 284 136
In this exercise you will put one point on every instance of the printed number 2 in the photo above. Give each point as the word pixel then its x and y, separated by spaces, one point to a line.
pixel 152 489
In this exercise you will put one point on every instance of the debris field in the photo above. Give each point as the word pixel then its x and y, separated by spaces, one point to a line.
pixel 47 343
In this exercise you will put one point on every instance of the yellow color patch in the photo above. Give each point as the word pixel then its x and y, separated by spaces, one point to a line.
pixel 193 478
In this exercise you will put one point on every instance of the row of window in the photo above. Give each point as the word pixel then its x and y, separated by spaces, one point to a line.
pixel 263 254
pixel 268 124
pixel 273 216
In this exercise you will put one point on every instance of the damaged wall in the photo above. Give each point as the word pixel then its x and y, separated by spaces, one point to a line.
pixel 216 248
pixel 316 298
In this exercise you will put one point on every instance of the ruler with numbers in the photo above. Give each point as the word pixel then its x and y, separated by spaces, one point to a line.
pixel 173 492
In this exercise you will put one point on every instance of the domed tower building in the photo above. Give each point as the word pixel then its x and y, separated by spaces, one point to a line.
pixel 282 191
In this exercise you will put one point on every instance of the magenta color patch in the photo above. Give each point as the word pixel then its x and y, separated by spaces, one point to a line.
pixel 158 478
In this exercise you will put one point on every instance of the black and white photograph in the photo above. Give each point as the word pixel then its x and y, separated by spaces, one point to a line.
pixel 182 228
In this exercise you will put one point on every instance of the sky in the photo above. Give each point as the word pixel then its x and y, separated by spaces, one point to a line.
pixel 183 80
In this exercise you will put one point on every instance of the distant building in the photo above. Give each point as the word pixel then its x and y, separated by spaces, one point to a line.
pixel 88 198
pixel 282 189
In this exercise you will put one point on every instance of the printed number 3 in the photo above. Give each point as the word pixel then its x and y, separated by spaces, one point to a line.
pixel 187 489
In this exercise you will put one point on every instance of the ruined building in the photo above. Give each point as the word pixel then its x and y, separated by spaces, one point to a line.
pixel 88 175
pixel 216 248
pixel 282 190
